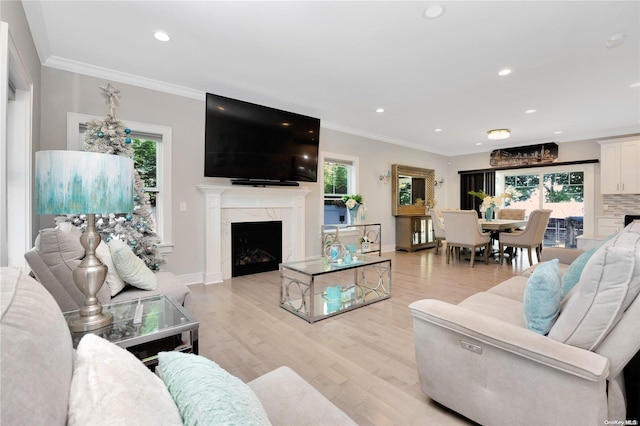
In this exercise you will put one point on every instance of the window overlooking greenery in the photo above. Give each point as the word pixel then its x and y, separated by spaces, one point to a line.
pixel 557 187
pixel 336 179
pixel 339 180
pixel 561 187
pixel 145 161
pixel 562 192
pixel 521 187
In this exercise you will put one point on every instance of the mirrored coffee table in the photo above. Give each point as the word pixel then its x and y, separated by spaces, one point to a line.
pixel 317 289
pixel 164 322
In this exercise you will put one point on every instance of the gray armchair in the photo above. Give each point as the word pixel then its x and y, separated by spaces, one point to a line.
pixel 57 252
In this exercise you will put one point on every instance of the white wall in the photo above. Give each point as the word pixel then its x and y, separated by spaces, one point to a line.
pixel 64 92
pixel 567 151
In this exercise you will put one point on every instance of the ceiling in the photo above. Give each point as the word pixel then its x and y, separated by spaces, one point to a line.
pixel 341 60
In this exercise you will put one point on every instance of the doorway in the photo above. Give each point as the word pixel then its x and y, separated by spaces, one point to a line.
pixel 566 190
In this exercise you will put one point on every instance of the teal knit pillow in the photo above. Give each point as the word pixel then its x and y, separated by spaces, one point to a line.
pixel 206 394
pixel 572 274
pixel 574 271
pixel 542 297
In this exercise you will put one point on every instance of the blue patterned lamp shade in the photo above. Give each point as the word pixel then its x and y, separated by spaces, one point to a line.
pixel 78 182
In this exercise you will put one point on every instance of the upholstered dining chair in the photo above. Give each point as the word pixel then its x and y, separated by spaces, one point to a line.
pixel 530 238
pixel 438 228
pixel 511 214
pixel 508 214
pixel 462 230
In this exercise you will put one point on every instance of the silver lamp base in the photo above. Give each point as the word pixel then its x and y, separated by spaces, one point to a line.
pixel 89 277
pixel 90 323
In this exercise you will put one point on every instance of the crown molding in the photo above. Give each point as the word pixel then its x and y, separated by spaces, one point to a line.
pixel 375 136
pixel 122 77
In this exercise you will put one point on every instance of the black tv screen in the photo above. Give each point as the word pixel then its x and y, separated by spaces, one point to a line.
pixel 246 141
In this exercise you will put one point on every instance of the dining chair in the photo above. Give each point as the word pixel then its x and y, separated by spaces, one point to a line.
pixel 531 238
pixel 511 214
pixel 462 230
pixel 438 228
pixel 508 214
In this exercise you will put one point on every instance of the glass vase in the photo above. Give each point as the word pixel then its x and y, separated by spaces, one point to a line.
pixel 488 214
pixel 353 214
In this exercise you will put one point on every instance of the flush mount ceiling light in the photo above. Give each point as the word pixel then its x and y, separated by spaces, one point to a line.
pixel 615 40
pixel 161 35
pixel 530 111
pixel 503 72
pixel 437 130
pixel 433 11
pixel 380 110
pixel 496 134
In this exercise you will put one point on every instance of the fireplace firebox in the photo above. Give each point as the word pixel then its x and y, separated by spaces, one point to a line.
pixel 255 247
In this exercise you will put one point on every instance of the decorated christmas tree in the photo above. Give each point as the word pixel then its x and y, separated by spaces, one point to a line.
pixel 137 229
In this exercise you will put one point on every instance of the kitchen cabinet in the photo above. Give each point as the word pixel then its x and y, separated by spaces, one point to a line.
pixel 620 167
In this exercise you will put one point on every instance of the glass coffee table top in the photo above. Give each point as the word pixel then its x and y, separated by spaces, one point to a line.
pixel 315 267
pixel 162 317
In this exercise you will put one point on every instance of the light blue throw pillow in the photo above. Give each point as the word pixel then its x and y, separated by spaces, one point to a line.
pixel 206 394
pixel 542 297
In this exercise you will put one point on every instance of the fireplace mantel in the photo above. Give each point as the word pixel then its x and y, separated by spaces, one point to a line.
pixel 226 204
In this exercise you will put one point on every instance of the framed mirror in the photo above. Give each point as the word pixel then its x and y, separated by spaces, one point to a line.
pixel 412 190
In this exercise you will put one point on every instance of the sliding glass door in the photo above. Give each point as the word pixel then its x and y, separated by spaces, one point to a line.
pixel 566 190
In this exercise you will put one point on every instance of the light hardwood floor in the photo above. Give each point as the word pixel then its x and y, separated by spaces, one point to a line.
pixel 362 360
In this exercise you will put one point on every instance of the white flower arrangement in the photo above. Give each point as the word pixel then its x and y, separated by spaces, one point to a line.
pixel 352 200
pixel 490 200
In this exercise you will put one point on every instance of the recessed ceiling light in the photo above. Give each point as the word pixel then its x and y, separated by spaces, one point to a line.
pixel 530 111
pixel 433 11
pixel 557 132
pixel 162 36
pixel 503 72
pixel 437 130
pixel 379 110
pixel 478 143
pixel 496 134
pixel 634 85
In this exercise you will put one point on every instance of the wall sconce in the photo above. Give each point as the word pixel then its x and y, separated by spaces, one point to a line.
pixel 385 178
pixel 439 183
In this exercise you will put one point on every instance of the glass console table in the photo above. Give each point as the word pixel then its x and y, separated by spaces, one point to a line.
pixel 317 289
pixel 163 323
pixel 353 235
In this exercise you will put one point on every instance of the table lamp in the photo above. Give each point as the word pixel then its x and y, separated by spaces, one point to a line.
pixel 78 182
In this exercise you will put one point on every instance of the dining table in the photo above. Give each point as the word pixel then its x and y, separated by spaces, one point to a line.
pixel 501 225
pixel 496 226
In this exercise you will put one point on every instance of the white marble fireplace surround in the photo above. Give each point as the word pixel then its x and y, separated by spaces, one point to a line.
pixel 227 204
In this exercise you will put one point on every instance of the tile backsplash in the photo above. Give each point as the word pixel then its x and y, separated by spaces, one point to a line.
pixel 619 205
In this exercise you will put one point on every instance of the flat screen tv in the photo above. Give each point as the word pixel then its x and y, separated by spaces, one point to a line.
pixel 258 145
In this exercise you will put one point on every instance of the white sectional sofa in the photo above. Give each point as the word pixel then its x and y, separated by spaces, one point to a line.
pixel 45 381
pixel 480 359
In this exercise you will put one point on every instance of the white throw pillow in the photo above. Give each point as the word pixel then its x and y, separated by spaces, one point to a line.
pixel 113 280
pixel 110 386
pixel 130 267
pixel 609 283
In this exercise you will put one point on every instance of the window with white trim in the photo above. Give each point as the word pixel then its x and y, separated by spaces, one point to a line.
pixel 152 148
pixel 339 178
